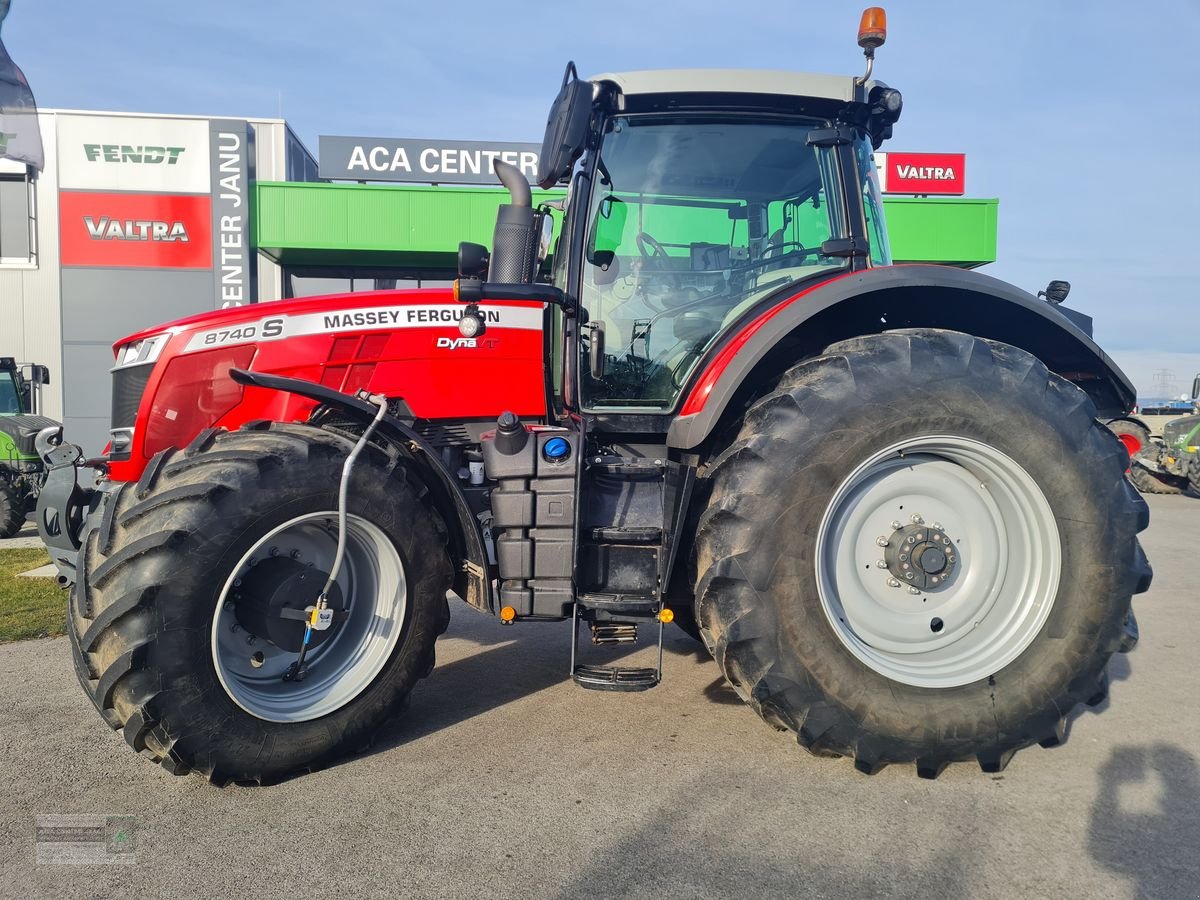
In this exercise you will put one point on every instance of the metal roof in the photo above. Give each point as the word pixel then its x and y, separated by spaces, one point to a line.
pixel 733 81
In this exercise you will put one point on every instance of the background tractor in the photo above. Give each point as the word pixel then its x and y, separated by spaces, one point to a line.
pixel 1166 460
pixel 21 468
pixel 879 494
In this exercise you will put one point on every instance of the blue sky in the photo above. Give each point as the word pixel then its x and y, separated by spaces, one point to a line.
pixel 1081 117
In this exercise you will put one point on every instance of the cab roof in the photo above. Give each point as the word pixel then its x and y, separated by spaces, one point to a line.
pixel 732 81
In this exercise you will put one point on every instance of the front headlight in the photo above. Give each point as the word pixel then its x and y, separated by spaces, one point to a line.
pixel 138 353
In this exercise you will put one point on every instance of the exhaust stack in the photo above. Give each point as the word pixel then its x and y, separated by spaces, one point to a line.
pixel 514 242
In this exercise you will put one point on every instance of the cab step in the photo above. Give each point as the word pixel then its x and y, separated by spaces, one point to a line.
pixel 613 678
pixel 613 632
pixel 616 678
pixel 620 604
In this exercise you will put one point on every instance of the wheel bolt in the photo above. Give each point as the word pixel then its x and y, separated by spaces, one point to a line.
pixel 274 551
pixel 228 606
pixel 933 579
pixel 911 539
pixel 881 542
pixel 295 554
pixel 917 520
pixel 938 526
pixel 251 639
pixel 892 582
pixel 895 525
pixel 237 582
pixel 880 564
pixel 903 557
pixel 945 540
pixel 908 575
pixel 912 590
pixel 234 628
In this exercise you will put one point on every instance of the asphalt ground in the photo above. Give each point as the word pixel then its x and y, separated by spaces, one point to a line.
pixel 506 780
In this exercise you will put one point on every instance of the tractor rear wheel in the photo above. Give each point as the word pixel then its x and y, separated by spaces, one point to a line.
pixel 190 609
pixel 921 547
pixel 13 506
pixel 1132 435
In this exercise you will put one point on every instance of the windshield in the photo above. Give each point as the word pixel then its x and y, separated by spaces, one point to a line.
pixel 10 399
pixel 692 221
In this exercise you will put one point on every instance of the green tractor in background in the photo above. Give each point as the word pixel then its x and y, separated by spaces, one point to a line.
pixel 21 469
pixel 1168 463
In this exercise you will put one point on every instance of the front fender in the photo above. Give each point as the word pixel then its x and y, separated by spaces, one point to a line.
pixel 882 299
pixel 465 537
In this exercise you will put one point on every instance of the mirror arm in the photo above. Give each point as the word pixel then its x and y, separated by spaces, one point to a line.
pixel 471 290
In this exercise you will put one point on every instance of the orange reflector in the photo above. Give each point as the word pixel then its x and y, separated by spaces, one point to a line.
pixel 666 616
pixel 507 614
pixel 872 28
pixel 456 297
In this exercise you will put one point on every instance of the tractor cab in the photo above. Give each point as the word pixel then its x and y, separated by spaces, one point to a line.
pixel 696 200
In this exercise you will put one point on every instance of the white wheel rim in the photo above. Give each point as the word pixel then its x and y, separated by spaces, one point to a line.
pixel 1002 582
pixel 372 581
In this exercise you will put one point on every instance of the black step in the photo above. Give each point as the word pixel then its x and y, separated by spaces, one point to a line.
pixel 628 604
pixel 624 465
pixel 613 534
pixel 613 632
pixel 615 678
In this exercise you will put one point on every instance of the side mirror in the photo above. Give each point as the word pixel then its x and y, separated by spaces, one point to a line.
pixel 473 260
pixel 1196 388
pixel 566 129
pixel 607 232
pixel 1056 292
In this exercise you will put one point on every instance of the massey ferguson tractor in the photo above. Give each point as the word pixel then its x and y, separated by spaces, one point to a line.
pixel 879 494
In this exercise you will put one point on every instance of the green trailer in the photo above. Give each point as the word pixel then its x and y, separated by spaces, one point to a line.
pixel 21 469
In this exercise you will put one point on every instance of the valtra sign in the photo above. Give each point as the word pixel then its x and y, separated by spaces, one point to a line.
pixel 922 173
pixel 135 230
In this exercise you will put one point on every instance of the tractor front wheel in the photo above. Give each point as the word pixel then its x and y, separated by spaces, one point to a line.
pixel 920 548
pixel 13 507
pixel 189 614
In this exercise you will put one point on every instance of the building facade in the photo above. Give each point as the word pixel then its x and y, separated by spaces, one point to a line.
pixel 141 219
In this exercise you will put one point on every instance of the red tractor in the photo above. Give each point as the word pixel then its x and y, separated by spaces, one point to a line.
pixel 879 494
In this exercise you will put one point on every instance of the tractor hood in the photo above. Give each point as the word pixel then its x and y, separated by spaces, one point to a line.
pixel 237 315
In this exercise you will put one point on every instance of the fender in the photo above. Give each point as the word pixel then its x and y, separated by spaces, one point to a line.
pixel 883 299
pixel 466 541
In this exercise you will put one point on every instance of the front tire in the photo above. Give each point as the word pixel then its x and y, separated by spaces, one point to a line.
pixel 13 506
pixel 163 634
pixel 993 467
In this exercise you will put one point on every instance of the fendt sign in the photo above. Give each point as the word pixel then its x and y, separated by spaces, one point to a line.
pixel 419 161
pixel 922 173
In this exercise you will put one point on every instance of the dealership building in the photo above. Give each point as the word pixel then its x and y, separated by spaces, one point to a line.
pixel 140 219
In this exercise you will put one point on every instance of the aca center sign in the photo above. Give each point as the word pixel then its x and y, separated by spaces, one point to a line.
pixel 420 161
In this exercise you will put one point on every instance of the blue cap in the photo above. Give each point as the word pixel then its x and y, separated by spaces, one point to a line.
pixel 556 449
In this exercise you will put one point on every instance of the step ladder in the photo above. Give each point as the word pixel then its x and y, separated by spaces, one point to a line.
pixel 604 632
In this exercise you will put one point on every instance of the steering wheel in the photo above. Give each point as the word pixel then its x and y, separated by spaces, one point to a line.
pixel 655 251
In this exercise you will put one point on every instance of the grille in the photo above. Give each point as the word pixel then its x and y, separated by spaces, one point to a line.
pixel 129 383
pixel 444 434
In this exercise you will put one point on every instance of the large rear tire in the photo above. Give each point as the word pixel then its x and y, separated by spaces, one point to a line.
pixel 13 506
pixel 967 455
pixel 164 634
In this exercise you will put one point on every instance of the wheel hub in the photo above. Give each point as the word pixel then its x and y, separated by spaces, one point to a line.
pixel 920 555
pixel 271 599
